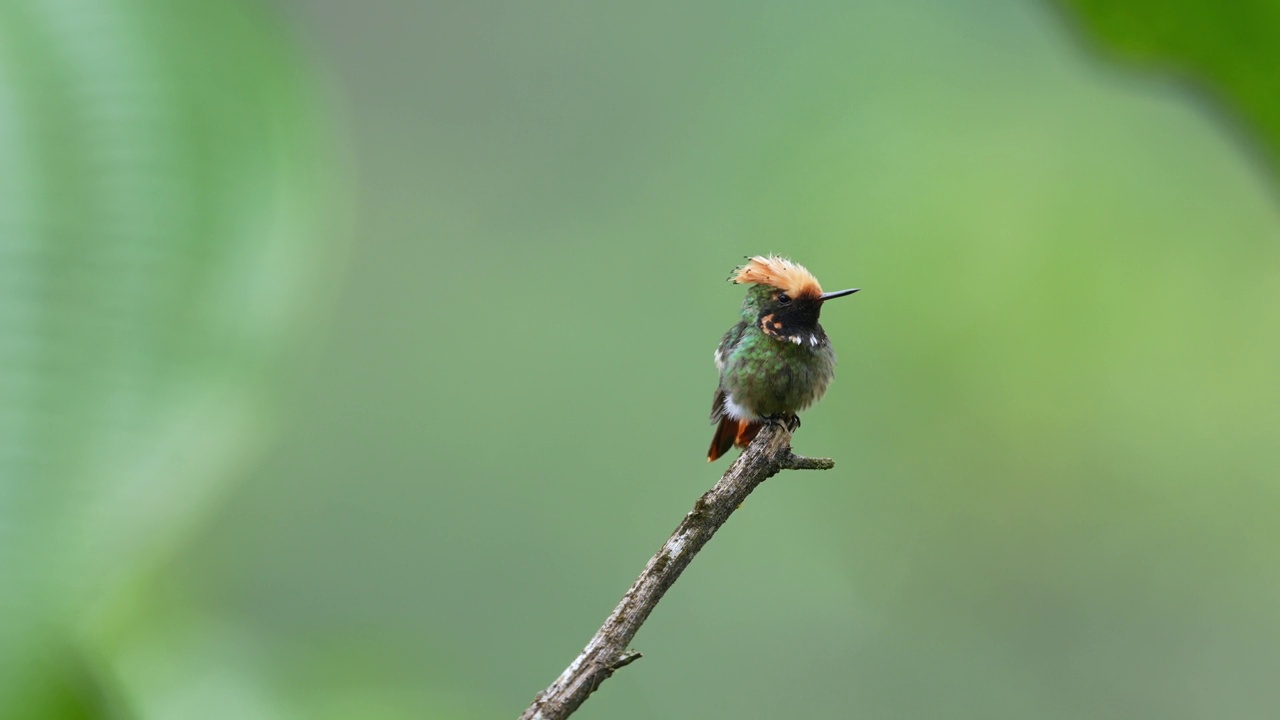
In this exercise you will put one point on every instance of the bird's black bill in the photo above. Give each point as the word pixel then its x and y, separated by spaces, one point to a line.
pixel 839 293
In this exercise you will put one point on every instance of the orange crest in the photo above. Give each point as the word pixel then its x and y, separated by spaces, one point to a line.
pixel 789 277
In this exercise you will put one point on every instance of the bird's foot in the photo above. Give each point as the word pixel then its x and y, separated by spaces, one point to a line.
pixel 790 421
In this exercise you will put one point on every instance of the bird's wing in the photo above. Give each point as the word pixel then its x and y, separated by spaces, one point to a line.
pixel 727 343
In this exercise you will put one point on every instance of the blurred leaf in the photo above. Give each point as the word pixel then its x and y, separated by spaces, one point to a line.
pixel 1228 47
pixel 73 682
pixel 159 189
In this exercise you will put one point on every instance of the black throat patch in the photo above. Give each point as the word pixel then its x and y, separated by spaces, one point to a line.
pixel 796 323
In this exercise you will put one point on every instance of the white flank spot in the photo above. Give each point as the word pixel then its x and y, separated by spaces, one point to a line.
pixel 736 411
pixel 795 339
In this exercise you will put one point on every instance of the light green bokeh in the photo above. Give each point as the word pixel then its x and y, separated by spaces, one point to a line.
pixel 163 179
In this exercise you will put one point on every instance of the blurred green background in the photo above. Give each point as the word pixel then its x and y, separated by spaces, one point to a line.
pixel 354 357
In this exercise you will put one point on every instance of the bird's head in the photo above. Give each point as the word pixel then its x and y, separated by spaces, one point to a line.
pixel 784 299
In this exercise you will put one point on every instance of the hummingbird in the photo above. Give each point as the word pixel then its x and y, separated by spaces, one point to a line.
pixel 777 360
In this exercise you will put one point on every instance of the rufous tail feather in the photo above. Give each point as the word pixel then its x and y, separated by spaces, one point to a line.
pixel 732 432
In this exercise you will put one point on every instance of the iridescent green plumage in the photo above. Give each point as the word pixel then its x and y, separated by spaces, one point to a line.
pixel 777 360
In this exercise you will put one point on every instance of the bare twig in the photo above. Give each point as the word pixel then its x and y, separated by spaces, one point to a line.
pixel 769 453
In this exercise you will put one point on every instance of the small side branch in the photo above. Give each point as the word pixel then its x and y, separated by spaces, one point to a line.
pixel 607 651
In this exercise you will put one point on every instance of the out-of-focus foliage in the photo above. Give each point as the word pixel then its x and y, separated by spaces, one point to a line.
pixel 1228 48
pixel 160 170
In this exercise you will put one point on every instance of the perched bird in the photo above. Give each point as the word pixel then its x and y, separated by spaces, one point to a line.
pixel 777 360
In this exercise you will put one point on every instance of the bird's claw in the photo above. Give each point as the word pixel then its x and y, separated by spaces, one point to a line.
pixel 789 421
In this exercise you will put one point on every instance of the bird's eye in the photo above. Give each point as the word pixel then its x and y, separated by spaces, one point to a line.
pixel 783 298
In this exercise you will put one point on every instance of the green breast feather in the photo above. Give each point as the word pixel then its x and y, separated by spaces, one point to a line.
pixel 774 377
